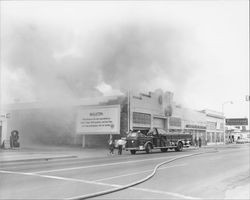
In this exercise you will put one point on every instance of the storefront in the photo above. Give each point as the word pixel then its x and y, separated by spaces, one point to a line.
pixel 149 110
pixel 214 123
pixel 90 122
pixel 175 124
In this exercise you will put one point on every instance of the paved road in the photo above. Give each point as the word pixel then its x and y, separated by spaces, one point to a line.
pixel 213 174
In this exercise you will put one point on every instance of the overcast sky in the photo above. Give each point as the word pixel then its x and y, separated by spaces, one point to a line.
pixel 197 49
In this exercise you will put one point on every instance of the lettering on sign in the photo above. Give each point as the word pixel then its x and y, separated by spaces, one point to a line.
pixel 195 126
pixel 99 120
pixel 237 121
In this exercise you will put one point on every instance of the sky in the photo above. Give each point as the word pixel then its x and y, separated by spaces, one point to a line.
pixel 60 50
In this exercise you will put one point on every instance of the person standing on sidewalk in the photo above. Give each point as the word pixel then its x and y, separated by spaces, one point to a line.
pixel 120 146
pixel 195 142
pixel 199 142
pixel 111 145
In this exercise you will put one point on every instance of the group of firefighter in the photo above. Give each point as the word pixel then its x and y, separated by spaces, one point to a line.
pixel 197 142
pixel 119 143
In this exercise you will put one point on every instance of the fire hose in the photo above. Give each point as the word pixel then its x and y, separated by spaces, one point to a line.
pixel 139 181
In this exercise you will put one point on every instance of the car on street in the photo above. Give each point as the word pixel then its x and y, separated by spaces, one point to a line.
pixel 243 140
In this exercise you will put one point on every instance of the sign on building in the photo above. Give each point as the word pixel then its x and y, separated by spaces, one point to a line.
pixel 237 121
pixel 98 120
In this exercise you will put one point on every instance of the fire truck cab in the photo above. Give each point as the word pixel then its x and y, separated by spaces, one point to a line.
pixel 156 138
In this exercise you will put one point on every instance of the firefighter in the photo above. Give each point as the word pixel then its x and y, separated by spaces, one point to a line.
pixel 111 145
pixel 200 142
pixel 120 146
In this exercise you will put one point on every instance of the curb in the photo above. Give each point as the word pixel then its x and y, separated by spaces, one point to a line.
pixel 37 159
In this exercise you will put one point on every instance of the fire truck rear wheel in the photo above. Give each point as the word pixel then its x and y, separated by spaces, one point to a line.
pixel 133 151
pixel 148 148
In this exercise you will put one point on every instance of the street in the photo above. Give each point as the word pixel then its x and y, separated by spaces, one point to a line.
pixel 206 173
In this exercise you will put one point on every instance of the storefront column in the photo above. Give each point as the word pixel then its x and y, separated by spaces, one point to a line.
pixel 4 134
pixel 83 141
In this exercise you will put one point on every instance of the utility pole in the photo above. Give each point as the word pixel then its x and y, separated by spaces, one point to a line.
pixel 128 93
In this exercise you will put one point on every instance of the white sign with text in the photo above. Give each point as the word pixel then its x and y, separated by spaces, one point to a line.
pixel 98 120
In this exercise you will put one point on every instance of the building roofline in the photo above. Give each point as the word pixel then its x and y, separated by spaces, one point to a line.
pixel 69 103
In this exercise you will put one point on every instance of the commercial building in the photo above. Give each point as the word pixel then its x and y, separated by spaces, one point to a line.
pixel 215 123
pixel 89 122
pixel 188 121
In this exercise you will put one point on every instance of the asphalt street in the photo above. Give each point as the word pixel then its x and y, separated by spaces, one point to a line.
pixel 210 173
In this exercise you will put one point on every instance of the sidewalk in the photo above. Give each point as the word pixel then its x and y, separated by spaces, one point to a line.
pixel 37 153
pixel 49 153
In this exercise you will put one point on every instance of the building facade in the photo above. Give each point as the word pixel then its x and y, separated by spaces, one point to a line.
pixel 55 124
pixel 215 127
pixel 188 121
pixel 150 110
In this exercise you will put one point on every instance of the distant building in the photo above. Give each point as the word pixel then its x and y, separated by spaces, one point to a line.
pixel 214 123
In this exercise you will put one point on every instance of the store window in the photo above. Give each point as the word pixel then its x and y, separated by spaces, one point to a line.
pixel 221 125
pixel 213 137
pixel 174 121
pixel 141 118
pixel 209 137
pixel 217 137
pixel 211 125
pixel 222 138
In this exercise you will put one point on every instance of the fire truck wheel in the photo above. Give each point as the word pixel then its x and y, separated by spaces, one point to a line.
pixel 179 146
pixel 133 151
pixel 148 148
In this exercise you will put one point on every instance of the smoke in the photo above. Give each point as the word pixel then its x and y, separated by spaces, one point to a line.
pixel 52 64
pixel 44 126
pixel 60 64
pixel 136 55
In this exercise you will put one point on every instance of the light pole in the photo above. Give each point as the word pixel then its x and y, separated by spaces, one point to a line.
pixel 128 112
pixel 224 121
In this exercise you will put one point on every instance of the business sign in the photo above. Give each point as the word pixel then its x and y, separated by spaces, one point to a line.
pixel 98 120
pixel 195 126
pixel 237 121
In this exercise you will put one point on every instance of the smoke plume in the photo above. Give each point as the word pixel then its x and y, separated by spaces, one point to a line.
pixel 59 64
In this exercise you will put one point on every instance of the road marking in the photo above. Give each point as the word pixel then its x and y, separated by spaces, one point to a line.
pixel 12 172
pixel 180 196
pixel 103 165
pixel 99 183
pixel 59 178
pixel 135 173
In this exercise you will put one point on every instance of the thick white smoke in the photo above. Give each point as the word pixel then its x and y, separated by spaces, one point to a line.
pixel 48 64
pixel 63 65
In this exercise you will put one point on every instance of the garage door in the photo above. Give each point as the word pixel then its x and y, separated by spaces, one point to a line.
pixel 159 123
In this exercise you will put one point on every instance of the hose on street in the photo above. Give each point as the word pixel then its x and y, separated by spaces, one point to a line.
pixel 139 181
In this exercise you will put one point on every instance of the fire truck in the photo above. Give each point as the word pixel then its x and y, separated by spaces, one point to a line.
pixel 156 138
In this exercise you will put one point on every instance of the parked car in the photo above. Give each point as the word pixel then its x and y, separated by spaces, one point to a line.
pixel 243 140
